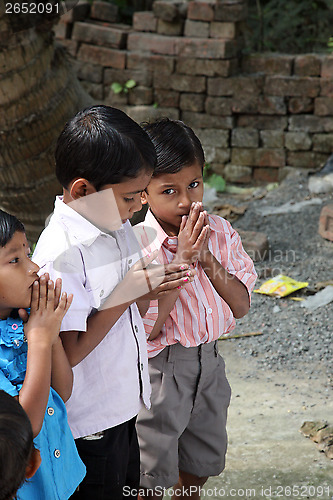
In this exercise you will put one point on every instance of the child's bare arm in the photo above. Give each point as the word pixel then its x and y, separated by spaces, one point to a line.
pixel 227 286
pixel 42 331
pixel 165 305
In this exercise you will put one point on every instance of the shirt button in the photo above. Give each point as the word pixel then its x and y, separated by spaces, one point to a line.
pixel 57 453
pixel 209 310
pixel 130 261
pixel 141 366
pixel 136 329
pixel 50 411
pixel 101 293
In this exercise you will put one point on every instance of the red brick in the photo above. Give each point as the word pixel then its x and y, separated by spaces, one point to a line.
pixel 200 11
pixel 326 222
pixel 90 72
pixel 104 36
pixel 144 21
pixel 300 105
pixel 308 123
pixel 162 64
pixel 323 143
pixel 327 67
pixel 270 158
pixel 203 48
pixel 188 83
pixel 223 30
pixel 235 86
pixel 232 12
pixel 265 174
pixel 192 102
pixel 142 77
pixel 326 85
pixel 168 11
pixel 104 11
pixel 245 103
pixel 243 156
pixel 166 98
pixel 305 159
pixel 292 86
pixel 219 106
pixel 206 67
pixel 323 106
pixel 140 95
pixel 175 28
pixel 102 55
pixel 269 64
pixel 261 122
pixel 161 81
pixel 149 42
pixel 198 29
pixel 202 120
pixel 308 65
pixel 268 105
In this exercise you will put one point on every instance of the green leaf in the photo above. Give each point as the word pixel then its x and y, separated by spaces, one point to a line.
pixel 217 182
pixel 130 84
pixel 116 88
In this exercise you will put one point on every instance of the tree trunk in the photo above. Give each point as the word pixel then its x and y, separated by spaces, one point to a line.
pixel 39 91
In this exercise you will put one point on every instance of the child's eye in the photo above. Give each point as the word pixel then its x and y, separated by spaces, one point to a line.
pixel 14 261
pixel 194 184
pixel 128 200
pixel 169 191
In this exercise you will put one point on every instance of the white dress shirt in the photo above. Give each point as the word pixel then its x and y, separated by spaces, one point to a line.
pixel 112 381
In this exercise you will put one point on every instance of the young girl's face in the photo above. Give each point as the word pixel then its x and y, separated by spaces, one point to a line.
pixel 17 274
pixel 170 196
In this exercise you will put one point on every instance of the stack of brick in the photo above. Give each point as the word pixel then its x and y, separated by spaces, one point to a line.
pixel 254 115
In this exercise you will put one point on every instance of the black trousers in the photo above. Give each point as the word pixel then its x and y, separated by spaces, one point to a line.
pixel 113 464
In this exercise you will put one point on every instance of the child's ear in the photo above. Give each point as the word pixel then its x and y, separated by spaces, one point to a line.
pixel 81 187
pixel 34 463
pixel 144 198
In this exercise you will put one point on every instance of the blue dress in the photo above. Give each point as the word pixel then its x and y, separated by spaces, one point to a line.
pixel 61 470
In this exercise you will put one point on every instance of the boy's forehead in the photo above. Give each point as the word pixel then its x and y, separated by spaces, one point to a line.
pixel 186 174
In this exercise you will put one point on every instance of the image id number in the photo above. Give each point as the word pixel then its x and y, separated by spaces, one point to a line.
pixel 31 8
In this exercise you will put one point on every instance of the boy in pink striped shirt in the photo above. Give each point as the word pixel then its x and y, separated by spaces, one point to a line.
pixel 183 437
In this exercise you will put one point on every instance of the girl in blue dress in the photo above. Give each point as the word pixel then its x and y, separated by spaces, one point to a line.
pixel 29 347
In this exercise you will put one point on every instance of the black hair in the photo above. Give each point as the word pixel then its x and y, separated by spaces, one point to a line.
pixel 16 445
pixel 104 146
pixel 9 224
pixel 176 145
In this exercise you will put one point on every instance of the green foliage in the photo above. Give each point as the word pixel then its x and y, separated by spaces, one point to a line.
pixel 117 87
pixel 212 179
pixel 289 26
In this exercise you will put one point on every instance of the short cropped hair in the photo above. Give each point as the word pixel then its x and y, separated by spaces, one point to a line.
pixel 16 445
pixel 9 224
pixel 176 145
pixel 104 146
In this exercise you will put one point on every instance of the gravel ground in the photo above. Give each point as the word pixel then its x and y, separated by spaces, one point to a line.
pixel 293 338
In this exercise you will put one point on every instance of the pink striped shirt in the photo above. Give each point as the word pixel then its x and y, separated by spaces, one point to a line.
pixel 199 315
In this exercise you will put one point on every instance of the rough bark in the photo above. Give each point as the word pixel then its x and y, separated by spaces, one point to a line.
pixel 39 91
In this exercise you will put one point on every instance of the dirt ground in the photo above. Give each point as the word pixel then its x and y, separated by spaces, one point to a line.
pixel 267 455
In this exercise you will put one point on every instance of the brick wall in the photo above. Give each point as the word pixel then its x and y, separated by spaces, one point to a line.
pixel 256 115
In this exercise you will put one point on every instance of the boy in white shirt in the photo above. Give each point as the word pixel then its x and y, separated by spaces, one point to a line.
pixel 90 244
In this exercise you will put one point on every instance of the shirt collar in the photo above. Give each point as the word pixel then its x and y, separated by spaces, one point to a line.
pixel 79 227
pixel 161 235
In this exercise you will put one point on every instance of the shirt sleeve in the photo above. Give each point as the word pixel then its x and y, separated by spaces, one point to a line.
pixel 73 281
pixel 150 317
pixel 239 262
pixel 7 386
